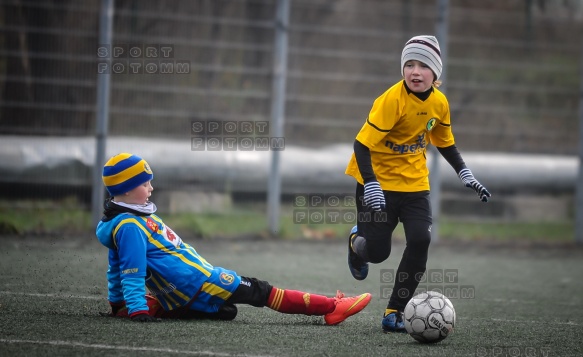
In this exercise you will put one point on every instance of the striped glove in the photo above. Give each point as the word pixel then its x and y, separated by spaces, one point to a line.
pixel 373 196
pixel 470 181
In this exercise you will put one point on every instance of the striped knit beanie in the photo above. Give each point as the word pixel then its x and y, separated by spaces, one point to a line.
pixel 124 172
pixel 423 49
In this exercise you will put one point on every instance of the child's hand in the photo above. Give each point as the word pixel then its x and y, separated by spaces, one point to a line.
pixel 470 181
pixel 144 317
pixel 374 197
pixel 115 308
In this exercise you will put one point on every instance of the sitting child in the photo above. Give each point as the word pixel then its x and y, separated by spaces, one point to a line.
pixel 146 253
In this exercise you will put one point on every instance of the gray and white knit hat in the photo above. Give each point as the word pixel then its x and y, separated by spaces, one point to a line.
pixel 424 49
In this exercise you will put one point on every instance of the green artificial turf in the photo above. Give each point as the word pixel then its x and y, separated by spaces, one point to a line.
pixel 524 300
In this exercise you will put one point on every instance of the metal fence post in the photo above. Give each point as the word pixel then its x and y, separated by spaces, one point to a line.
pixel 102 109
pixel 578 188
pixel 441 30
pixel 277 112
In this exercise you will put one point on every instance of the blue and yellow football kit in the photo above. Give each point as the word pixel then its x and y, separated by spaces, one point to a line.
pixel 143 248
pixel 146 253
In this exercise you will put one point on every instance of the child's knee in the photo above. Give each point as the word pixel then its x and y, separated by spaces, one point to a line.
pixel 378 255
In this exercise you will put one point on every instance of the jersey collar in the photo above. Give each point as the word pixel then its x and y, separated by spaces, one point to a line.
pixel 422 96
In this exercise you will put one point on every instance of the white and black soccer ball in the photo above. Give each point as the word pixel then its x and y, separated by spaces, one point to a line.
pixel 429 317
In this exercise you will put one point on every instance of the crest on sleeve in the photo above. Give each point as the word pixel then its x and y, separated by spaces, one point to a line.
pixel 151 224
pixel 227 279
pixel 431 124
pixel 171 237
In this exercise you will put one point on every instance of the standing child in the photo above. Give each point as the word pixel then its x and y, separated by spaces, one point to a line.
pixel 146 253
pixel 390 166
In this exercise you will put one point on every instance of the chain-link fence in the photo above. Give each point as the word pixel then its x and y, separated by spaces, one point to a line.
pixel 512 67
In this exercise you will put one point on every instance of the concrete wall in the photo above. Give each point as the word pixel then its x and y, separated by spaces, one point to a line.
pixel 526 187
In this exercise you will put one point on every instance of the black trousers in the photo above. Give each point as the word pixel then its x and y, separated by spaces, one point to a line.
pixel 413 209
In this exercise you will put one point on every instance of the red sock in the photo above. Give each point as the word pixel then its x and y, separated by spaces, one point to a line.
pixel 299 302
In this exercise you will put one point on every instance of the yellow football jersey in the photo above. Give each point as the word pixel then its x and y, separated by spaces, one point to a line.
pixel 397 131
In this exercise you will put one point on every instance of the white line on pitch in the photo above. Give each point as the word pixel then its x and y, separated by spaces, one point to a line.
pixel 55 295
pixel 568 323
pixel 124 348
pixel 518 301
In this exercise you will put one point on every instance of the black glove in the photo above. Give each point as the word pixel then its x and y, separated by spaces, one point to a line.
pixel 115 307
pixel 470 181
pixel 373 196
pixel 144 317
